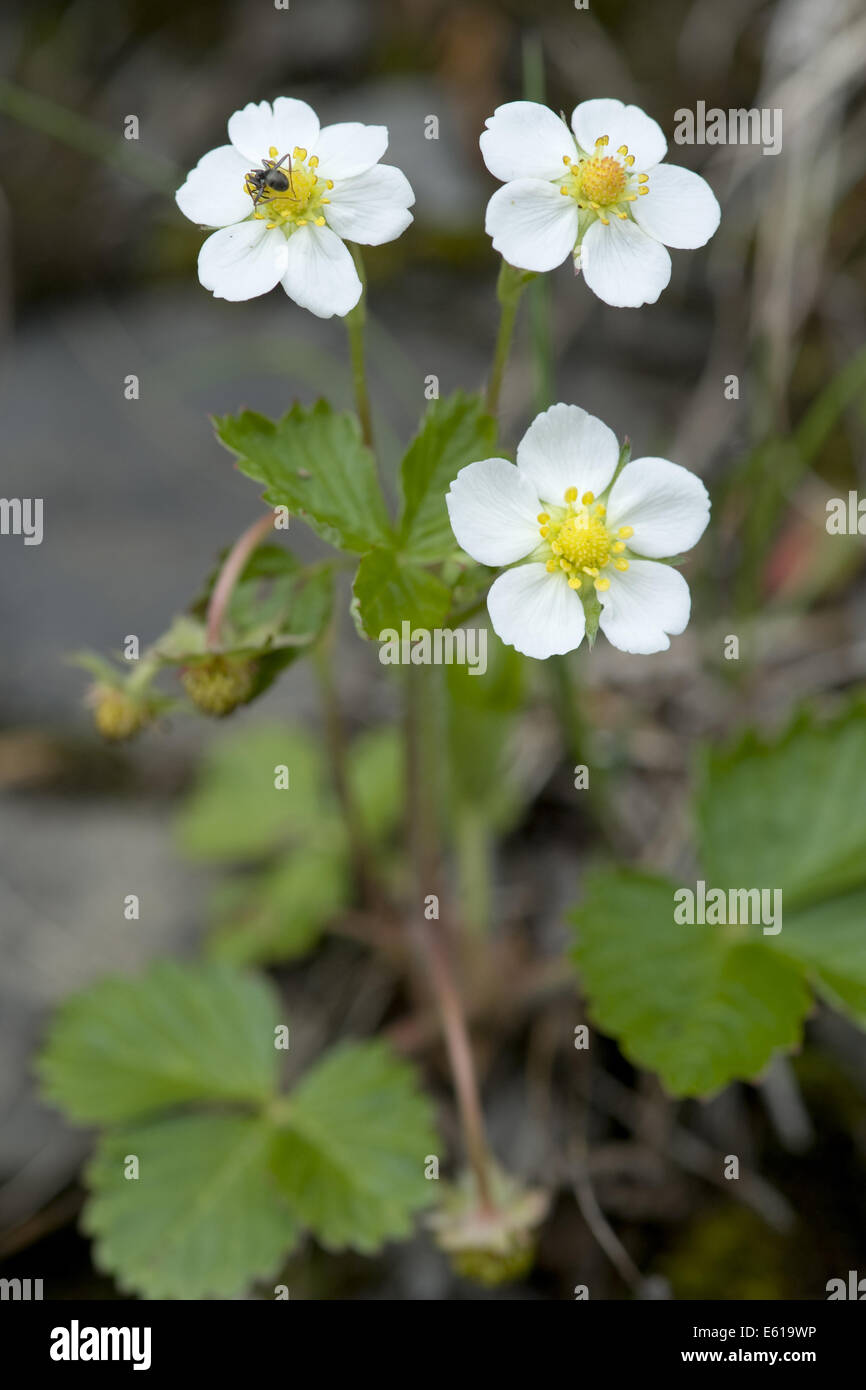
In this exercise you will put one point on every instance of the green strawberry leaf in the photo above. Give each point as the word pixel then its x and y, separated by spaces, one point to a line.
pixel 827 940
pixel 699 1005
pixel 236 812
pixel 390 590
pixel 350 1155
pixel 202 1219
pixel 126 1047
pixel 314 462
pixel 280 915
pixel 790 813
pixel 456 431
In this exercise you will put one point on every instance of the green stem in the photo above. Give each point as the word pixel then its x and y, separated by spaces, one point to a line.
pixel 355 321
pixel 421 772
pixel 509 288
pixel 335 734
pixel 472 843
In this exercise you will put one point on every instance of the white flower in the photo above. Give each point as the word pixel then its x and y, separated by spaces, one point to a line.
pixel 322 185
pixel 579 538
pixel 598 192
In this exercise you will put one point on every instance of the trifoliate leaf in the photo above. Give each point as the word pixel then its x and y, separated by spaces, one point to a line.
pixel 350 1155
pixel 788 814
pixel 126 1047
pixel 280 915
pixel 203 1217
pixel 238 811
pixel 456 431
pixel 315 463
pixel 700 1005
pixel 390 590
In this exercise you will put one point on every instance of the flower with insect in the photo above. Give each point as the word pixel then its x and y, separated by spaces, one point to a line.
pixel 584 541
pixel 597 192
pixel 285 195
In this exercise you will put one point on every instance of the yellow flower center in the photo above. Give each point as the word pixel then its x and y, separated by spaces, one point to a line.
pixel 300 201
pixel 603 183
pixel 583 539
pixel 602 179
pixel 580 542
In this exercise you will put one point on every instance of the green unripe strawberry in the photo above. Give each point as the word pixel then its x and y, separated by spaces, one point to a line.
pixel 490 1267
pixel 117 715
pixel 219 684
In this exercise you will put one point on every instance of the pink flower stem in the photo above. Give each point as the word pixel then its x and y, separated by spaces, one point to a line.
pixel 229 575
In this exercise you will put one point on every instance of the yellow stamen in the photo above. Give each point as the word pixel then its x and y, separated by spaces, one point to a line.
pixel 571 494
pixel 602 584
pixel 273 151
pixel 588 498
pixel 543 516
pixel 621 564
pixel 625 532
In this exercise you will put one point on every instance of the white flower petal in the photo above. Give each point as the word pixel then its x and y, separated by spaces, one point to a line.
pixel 536 612
pixel 373 207
pixel 624 266
pixel 320 274
pixel 643 604
pixel 242 262
pixel 493 510
pixel 259 126
pixel 565 447
pixel 214 193
pixel 680 209
pixel 525 140
pixel 531 224
pixel 667 506
pixel 623 125
pixel 349 148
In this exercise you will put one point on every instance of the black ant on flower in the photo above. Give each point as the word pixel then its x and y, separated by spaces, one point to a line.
pixel 271 178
